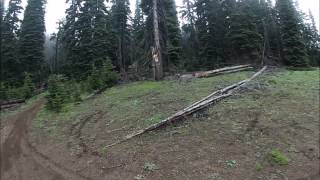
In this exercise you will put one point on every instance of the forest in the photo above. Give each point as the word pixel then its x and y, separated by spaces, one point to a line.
pixel 207 90
pixel 100 43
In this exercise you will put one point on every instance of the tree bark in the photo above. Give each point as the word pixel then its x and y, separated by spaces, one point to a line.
pixel 156 50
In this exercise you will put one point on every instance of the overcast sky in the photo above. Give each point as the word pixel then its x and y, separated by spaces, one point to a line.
pixel 55 10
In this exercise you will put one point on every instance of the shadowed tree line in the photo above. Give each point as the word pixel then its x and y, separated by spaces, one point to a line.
pixel 152 43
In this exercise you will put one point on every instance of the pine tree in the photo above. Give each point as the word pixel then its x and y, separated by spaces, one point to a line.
pixel 293 48
pixel 212 24
pixel 70 37
pixel 138 42
pixel 28 86
pixel 57 96
pixel 244 35
pixel 84 63
pixel 202 13
pixel 270 31
pixel 56 38
pixel 190 42
pixel 312 40
pixel 87 37
pixel 31 39
pixel 120 15
pixel 9 49
pixel 3 94
pixel 101 41
pixel 174 34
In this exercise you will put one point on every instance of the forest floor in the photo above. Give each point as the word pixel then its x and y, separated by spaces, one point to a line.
pixel 268 131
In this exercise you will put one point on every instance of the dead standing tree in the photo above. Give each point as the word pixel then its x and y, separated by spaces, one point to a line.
pixel 157 61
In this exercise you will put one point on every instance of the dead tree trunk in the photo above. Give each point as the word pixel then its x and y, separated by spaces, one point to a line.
pixel 156 50
pixel 203 103
pixel 223 70
pixel 121 59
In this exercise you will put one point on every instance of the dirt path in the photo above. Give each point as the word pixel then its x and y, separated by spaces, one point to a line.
pixel 20 160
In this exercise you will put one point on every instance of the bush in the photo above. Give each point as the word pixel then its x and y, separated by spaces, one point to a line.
pixel 57 94
pixel 102 77
pixel 24 92
pixel 73 89
pixel 279 158
pixel 28 86
pixel 94 80
pixel 16 93
pixel 109 77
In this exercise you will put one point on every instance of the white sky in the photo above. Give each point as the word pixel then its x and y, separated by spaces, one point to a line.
pixel 56 8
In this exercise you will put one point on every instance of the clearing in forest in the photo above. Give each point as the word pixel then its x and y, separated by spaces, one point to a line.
pixel 268 131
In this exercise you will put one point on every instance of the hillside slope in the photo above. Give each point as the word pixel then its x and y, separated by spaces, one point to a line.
pixel 268 131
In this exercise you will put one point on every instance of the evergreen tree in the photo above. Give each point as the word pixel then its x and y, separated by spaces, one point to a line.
pixel 101 41
pixel 312 40
pixel 270 31
pixel 138 28
pixel 244 36
pixel 31 39
pixel 189 35
pixel 57 96
pixel 202 12
pixel 120 15
pixel 9 48
pixel 174 34
pixel 70 37
pixel 86 35
pixel 28 86
pixel 293 48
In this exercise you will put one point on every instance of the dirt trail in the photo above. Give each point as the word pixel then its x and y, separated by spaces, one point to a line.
pixel 19 160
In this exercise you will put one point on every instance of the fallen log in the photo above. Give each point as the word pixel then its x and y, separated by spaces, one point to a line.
pixel 9 106
pixel 224 70
pixel 95 93
pixel 199 105
pixel 14 101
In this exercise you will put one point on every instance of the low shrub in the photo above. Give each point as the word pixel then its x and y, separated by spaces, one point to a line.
pixel 278 157
pixel 57 94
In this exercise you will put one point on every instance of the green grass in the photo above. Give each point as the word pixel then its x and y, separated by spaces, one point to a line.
pixel 278 157
pixel 284 98
pixel 259 167
pixel 137 104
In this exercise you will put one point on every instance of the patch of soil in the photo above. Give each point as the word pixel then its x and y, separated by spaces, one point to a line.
pixel 20 160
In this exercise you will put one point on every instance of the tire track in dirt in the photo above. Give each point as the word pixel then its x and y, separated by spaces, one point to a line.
pixel 19 160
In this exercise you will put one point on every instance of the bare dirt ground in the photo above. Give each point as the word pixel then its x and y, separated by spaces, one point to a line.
pixel 20 160
pixel 231 141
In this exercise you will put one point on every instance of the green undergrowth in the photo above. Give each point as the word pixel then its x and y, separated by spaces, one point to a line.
pixel 137 104
pixel 278 157
pixel 284 96
pixel 280 110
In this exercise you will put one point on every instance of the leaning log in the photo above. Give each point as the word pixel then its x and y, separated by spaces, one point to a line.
pixel 224 70
pixel 199 105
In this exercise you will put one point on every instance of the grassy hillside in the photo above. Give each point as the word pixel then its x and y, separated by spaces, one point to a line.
pixel 268 131
pixel 138 104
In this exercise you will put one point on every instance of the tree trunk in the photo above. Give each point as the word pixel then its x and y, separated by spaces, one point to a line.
pixel 121 59
pixel 156 50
